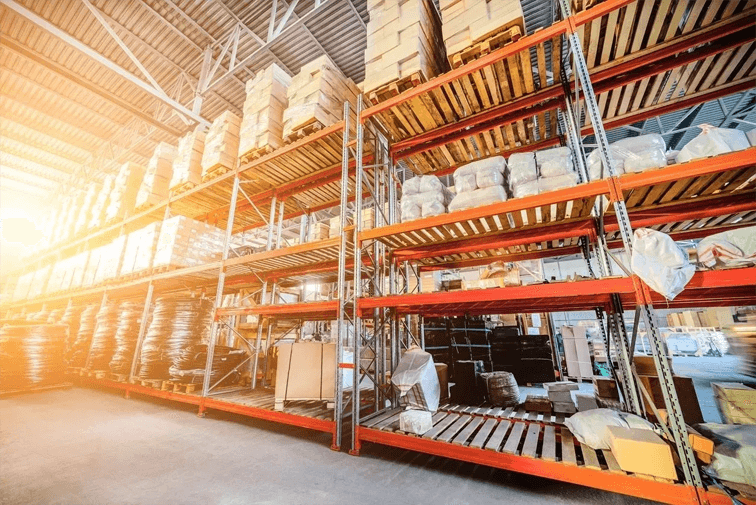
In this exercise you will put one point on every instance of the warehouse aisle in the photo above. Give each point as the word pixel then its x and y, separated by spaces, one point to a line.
pixel 85 446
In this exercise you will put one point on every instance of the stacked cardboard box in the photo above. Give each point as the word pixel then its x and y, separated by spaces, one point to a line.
pixel 184 242
pixel 156 182
pixel 642 452
pixel 467 22
pixel 140 244
pixel 317 93
pixel 79 266
pixel 91 194
pixel 39 282
pixel 187 165
pixel 318 231
pixel 334 224
pixel 22 286
pixel 124 193
pixel 90 269
pixel 221 145
pixel 403 38
pixel 262 123
pixel 100 205
pixel 560 396
pixel 110 260
pixel 577 352
pixel 736 402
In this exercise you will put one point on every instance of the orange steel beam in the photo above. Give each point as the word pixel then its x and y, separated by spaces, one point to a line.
pixel 673 494
pixel 302 310
pixel 548 253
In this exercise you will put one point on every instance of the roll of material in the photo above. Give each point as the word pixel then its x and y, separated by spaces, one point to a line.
pixel 71 318
pixel 502 389
pixel 80 346
pixel 32 356
pixel 190 365
pixel 103 340
pixel 126 335
pixel 177 323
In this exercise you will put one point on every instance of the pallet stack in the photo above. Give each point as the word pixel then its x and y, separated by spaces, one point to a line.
pixel 468 22
pixel 187 165
pixel 91 194
pixel 101 203
pixel 262 124
pixel 109 264
pixel 316 98
pixel 221 146
pixel 124 193
pixel 156 182
pixel 184 242
pixel 403 40
pixel 140 244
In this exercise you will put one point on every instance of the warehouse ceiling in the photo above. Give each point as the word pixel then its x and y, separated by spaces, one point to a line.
pixel 86 85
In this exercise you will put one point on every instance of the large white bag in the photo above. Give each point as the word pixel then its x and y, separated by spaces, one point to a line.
pixel 643 151
pixel 590 426
pixel 660 262
pixel 546 184
pixel 522 168
pixel 525 189
pixel 712 142
pixel 415 421
pixel 730 248
pixel 416 381
pixel 411 186
pixel 480 174
pixel 557 153
pixel 431 183
pixel 478 198
pixel 411 207
pixel 734 456
pixel 433 208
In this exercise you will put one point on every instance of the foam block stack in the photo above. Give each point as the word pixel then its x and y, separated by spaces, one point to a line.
pixel 467 22
pixel 184 242
pixel 403 38
pixel 156 182
pixel 262 123
pixel 221 145
pixel 187 165
pixel 317 94
pixel 124 193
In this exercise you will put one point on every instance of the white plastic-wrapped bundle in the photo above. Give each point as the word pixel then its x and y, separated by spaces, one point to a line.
pixel 489 178
pixel 480 174
pixel 660 262
pixel 632 154
pixel 555 162
pixel 411 186
pixel 478 198
pixel 711 142
pixel 522 168
pixel 524 189
pixel 546 184
pixel 556 153
pixel 433 208
pixel 411 207
pixel 431 183
pixel 465 181
pixel 728 248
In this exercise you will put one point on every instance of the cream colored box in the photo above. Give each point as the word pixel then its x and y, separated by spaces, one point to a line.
pixel 641 451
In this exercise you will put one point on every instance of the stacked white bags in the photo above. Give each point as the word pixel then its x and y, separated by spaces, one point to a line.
pixel 540 172
pixel 424 196
pixel 713 141
pixel 633 154
pixel 479 183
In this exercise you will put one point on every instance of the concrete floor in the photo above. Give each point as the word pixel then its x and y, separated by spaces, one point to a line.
pixel 83 446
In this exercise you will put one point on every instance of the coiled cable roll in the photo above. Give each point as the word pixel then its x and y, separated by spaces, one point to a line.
pixel 55 316
pixel 177 323
pixel 104 339
pixel 32 355
pixel 80 346
pixel 190 365
pixel 71 318
pixel 126 336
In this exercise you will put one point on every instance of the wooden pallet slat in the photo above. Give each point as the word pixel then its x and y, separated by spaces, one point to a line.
pixel 494 443
pixel 513 441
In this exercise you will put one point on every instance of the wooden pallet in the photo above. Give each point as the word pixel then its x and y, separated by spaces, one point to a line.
pixel 180 387
pixel 215 171
pixel 480 48
pixel 255 153
pixel 182 188
pixel 396 87
pixel 97 374
pixel 119 377
pixel 37 389
pixel 310 127
pixel 144 207
pixel 164 269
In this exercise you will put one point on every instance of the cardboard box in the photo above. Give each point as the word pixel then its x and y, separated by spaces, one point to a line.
pixel 605 387
pixel 187 165
pixel 686 392
pixel 585 402
pixel 645 365
pixel 736 402
pixel 157 179
pixel 577 352
pixel 221 144
pixel 262 120
pixel 124 192
pixel 641 451
pixel 466 22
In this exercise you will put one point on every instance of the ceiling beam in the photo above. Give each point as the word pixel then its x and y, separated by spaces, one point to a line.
pixel 34 138
pixel 60 70
pixel 44 171
pixel 16 186
pixel 33 154
pixel 8 172
pixel 102 60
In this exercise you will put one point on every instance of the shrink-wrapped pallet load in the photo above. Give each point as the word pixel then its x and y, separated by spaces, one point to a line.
pixel 480 183
pixel 100 205
pixel 124 193
pixel 467 22
pixel 109 263
pixel 78 267
pixel 140 244
pixel 403 38
pixel 91 195
pixel 633 154
pixel 712 142
pixel 157 179
pixel 316 96
pixel 184 242
pixel 541 172
pixel 221 145
pixel 262 122
pixel 424 196
pixel 187 165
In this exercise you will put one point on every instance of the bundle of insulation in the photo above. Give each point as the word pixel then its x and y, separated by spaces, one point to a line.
pixel 713 141
pixel 424 196
pixel 633 154
pixel 541 172
pixel 660 262
pixel 728 248
pixel 480 183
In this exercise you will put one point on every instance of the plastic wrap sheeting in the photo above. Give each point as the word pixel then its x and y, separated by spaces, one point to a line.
pixel 480 174
pixel 415 421
pixel 590 426
pixel 478 198
pixel 556 153
pixel 646 151
pixel 712 142
pixel 433 208
pixel 430 184
pixel 729 248
pixel 524 189
pixel 465 182
pixel 660 262
pixel 522 168
pixel 557 167
pixel 488 178
pixel 416 381
pixel 644 160
pixel 734 456
pixel 546 184
pixel 411 186
pixel 411 207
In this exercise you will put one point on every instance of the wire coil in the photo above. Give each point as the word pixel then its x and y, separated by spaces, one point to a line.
pixel 71 318
pixel 190 365
pixel 129 319
pixel 177 323
pixel 104 338
pixel 80 346
pixel 32 355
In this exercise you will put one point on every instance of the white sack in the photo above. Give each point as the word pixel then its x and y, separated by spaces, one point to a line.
pixel 751 136
pixel 415 421
pixel 557 153
pixel 524 189
pixel 430 183
pixel 522 168
pixel 411 207
pixel 480 174
pixel 729 248
pixel 652 158
pixel 478 198
pixel 488 178
pixel 590 426
pixel 433 208
pixel 660 262
pixel 465 181
pixel 546 184
pixel 557 166
pixel 734 456
pixel 416 380
pixel 712 142
pixel 644 151
pixel 411 186
pixel 494 162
